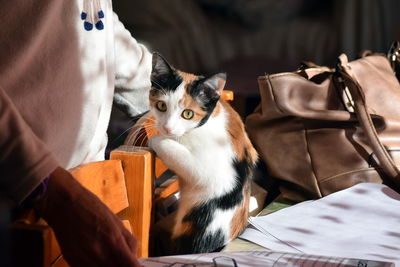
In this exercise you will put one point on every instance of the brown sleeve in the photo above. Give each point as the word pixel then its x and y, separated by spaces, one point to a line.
pixel 24 158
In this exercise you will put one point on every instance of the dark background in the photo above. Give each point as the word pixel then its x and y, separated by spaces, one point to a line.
pixel 249 38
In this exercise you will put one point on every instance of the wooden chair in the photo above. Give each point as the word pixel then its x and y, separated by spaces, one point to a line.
pixel 125 183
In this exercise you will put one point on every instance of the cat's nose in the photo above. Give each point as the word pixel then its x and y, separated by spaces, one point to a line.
pixel 167 129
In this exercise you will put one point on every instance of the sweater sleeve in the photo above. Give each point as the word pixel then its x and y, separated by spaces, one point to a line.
pixel 132 72
pixel 24 159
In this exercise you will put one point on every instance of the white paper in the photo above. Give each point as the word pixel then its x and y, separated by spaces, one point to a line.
pixel 265 239
pixel 255 258
pixel 360 222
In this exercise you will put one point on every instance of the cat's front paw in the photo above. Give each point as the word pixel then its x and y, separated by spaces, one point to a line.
pixel 154 142
pixel 165 147
pixel 175 156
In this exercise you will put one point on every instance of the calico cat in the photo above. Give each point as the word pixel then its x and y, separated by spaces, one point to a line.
pixel 204 142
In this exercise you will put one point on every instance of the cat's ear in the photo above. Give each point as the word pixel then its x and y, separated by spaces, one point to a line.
pixel 211 88
pixel 160 67
pixel 216 82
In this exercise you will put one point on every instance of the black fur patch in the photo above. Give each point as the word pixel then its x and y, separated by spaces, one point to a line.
pixel 166 82
pixel 189 244
pixel 163 76
pixel 207 97
pixel 201 216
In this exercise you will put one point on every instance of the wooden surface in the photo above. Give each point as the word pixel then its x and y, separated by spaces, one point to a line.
pixel 106 180
pixel 60 262
pixel 130 197
pixel 138 167
pixel 227 95
pixel 127 225
pixel 167 191
pixel 160 167
pixel 55 250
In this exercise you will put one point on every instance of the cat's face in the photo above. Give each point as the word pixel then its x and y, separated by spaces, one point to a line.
pixel 181 101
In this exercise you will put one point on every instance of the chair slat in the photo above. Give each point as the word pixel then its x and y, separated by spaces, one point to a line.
pixel 106 180
pixel 138 167
pixel 160 167
pixel 227 95
pixel 127 225
pixel 169 190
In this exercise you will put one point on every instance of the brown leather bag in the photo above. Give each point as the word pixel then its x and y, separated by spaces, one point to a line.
pixel 320 130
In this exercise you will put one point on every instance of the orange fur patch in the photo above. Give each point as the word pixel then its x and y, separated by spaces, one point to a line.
pixel 239 220
pixel 240 140
pixel 187 77
pixel 182 228
pixel 189 103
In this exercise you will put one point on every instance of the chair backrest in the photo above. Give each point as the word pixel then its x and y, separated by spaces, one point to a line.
pixel 105 179
pixel 33 242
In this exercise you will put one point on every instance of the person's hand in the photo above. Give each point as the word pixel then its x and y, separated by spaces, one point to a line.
pixel 89 234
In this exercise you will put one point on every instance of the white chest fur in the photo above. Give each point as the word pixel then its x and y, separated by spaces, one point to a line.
pixel 211 148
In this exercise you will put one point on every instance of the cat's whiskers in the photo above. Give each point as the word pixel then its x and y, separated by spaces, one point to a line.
pixel 144 126
pixel 160 88
pixel 141 137
pixel 150 132
pixel 146 130
pixel 159 85
pixel 135 135
pixel 129 129
pixel 132 135
pixel 164 91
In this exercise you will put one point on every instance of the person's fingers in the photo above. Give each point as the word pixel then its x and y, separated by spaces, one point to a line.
pixel 129 239
pixel 118 244
pixel 83 258
pixel 131 242
pixel 120 252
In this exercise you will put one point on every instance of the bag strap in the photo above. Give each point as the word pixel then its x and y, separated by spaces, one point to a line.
pixel 350 80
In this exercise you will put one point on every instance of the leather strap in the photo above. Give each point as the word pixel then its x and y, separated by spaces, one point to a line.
pixel 386 162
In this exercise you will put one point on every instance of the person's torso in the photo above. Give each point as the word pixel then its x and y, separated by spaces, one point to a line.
pixel 59 75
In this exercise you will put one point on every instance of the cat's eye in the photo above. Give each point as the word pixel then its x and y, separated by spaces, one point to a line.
pixel 161 106
pixel 187 114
